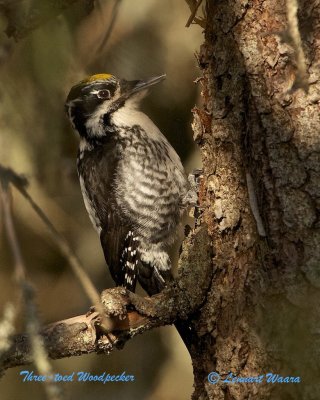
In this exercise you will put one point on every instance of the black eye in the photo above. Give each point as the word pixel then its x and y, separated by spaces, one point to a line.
pixel 103 94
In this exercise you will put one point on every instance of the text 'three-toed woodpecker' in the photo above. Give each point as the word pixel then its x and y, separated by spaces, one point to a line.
pixel 132 180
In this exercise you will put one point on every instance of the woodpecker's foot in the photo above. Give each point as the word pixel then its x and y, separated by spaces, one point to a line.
pixel 144 305
pixel 115 302
pixel 159 276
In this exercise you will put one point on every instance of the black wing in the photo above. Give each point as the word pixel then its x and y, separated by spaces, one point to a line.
pixel 121 252
pixel 97 167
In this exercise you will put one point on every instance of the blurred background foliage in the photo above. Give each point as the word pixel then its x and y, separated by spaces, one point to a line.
pixel 148 37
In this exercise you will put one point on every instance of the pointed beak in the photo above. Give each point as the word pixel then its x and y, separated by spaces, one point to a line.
pixel 130 87
pixel 144 84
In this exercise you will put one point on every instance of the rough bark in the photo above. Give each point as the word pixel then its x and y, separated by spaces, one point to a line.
pixel 262 312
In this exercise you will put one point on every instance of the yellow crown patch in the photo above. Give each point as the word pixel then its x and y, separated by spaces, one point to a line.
pixel 97 77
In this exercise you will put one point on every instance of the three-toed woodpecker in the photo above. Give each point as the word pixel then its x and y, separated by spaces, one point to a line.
pixel 132 180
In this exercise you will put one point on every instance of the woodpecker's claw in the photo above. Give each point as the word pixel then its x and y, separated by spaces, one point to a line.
pixel 159 276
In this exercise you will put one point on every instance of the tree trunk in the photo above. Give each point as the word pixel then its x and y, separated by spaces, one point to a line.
pixel 260 149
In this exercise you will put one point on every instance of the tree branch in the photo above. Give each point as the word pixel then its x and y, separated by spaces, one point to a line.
pixel 22 22
pixel 8 176
pixel 194 6
pixel 128 313
pixel 27 292
pixel 113 18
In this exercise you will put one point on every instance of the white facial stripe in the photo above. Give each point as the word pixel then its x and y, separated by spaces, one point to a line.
pixel 94 124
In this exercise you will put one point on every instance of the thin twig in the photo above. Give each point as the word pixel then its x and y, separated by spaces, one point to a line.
pixel 114 14
pixel 39 353
pixel 301 80
pixel 19 270
pixel 20 184
pixel 38 14
pixel 66 250
pixel 193 14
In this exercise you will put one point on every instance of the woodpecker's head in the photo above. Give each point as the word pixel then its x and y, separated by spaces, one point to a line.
pixel 92 101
